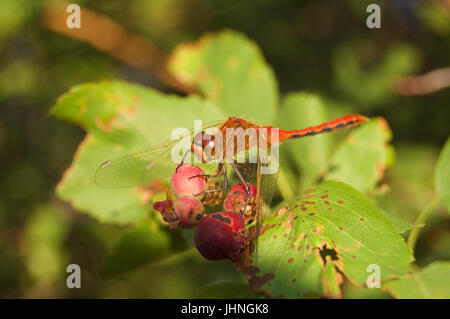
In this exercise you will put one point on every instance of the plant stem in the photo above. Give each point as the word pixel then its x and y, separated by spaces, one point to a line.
pixel 420 220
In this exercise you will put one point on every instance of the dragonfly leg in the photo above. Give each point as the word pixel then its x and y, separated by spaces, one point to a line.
pixel 220 170
pixel 247 188
pixel 224 186
pixel 182 160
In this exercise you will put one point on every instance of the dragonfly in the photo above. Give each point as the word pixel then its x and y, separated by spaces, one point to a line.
pixel 223 144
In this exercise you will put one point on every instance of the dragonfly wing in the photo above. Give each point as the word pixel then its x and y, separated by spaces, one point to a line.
pixel 268 185
pixel 266 182
pixel 142 167
pixel 136 168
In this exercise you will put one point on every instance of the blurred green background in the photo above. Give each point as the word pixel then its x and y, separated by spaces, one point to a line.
pixel 321 46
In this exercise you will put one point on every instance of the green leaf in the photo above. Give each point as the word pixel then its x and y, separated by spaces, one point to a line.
pixel 431 282
pixel 396 221
pixel 120 118
pixel 330 228
pixel 372 86
pixel 226 290
pixel 146 243
pixel 13 14
pixel 442 175
pixel 43 241
pixel 436 17
pixel 350 291
pixel 310 155
pixel 362 158
pixel 411 183
pixel 230 70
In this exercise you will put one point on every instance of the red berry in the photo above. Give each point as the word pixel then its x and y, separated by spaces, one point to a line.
pixel 160 206
pixel 167 212
pixel 237 197
pixel 221 235
pixel 189 210
pixel 186 211
pixel 183 185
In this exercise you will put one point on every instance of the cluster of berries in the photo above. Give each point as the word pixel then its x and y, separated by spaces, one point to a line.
pixel 218 235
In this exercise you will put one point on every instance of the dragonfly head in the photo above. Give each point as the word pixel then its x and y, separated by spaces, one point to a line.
pixel 204 147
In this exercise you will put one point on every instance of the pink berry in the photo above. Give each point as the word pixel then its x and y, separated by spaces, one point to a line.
pixel 237 197
pixel 183 185
pixel 221 235
pixel 189 210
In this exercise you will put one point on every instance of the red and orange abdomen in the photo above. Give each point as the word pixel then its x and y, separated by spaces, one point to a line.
pixel 339 123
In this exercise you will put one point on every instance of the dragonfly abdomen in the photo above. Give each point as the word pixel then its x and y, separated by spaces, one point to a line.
pixel 339 123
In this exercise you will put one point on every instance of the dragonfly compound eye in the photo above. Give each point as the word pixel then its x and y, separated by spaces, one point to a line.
pixel 204 147
pixel 197 146
pixel 209 150
pixel 221 235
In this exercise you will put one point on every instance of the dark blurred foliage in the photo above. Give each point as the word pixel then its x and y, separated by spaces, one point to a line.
pixel 310 45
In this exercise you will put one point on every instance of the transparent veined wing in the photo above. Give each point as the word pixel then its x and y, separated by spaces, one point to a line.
pixel 141 167
pixel 136 168
pixel 267 175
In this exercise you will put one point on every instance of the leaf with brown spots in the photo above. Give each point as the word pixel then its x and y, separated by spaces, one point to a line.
pixel 327 243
